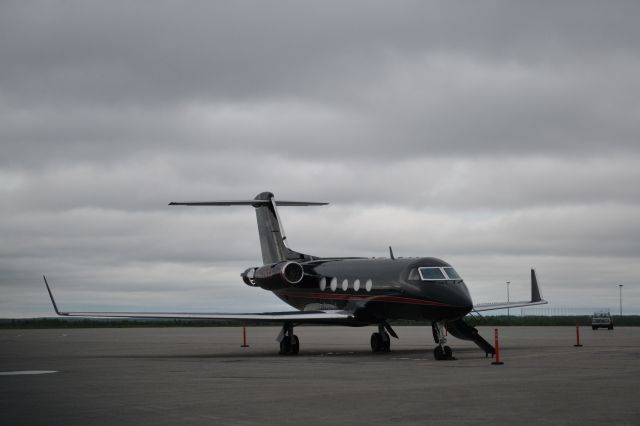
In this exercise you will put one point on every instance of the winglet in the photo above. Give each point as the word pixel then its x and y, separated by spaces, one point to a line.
pixel 536 299
pixel 535 290
pixel 55 307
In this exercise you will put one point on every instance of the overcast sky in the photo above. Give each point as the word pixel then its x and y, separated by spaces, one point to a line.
pixel 495 135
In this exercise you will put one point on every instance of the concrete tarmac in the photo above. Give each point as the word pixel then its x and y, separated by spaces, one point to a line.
pixel 171 376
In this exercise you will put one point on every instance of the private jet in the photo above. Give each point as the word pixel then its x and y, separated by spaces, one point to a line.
pixel 349 291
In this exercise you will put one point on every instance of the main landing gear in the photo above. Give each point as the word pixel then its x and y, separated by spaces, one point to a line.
pixel 289 342
pixel 380 341
pixel 441 352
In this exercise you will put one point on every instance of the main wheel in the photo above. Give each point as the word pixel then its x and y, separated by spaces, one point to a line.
pixel 438 353
pixel 295 345
pixel 376 342
pixel 386 342
pixel 285 345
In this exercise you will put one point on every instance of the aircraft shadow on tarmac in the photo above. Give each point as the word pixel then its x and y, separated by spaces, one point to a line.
pixel 240 355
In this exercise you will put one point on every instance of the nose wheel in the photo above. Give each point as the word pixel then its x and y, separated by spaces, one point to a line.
pixel 442 351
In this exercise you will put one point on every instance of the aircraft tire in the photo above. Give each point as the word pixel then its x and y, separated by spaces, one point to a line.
pixel 448 353
pixel 285 346
pixel 438 353
pixel 386 342
pixel 295 345
pixel 377 344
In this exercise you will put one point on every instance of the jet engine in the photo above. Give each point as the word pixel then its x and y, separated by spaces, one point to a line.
pixel 274 275
pixel 248 277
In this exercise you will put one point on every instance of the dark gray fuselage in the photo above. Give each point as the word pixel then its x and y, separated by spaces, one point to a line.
pixel 391 294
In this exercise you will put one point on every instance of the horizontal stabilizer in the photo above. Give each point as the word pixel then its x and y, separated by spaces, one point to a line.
pixel 273 241
pixel 254 203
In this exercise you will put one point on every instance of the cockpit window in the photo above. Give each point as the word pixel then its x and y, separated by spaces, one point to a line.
pixel 451 273
pixel 432 274
pixel 413 274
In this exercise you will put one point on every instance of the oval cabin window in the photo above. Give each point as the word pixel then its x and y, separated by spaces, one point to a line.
pixel 368 285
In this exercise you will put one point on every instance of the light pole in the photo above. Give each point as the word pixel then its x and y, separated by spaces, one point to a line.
pixel 508 312
pixel 620 286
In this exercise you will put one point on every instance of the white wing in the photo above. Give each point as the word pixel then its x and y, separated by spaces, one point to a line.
pixel 536 299
pixel 297 316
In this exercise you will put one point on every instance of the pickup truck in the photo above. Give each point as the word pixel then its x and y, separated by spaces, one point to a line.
pixel 601 320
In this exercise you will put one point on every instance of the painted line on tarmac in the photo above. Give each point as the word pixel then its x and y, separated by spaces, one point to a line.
pixel 26 372
pixel 412 359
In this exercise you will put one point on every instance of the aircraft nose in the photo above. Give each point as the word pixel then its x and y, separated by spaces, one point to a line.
pixel 460 298
pixel 453 298
pixel 467 302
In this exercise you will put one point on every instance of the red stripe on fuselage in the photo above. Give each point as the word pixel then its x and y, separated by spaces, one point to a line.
pixel 393 299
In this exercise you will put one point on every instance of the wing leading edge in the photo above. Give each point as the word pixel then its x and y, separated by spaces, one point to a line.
pixel 319 317
pixel 536 299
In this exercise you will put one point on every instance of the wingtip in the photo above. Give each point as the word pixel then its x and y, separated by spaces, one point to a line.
pixel 53 301
pixel 536 296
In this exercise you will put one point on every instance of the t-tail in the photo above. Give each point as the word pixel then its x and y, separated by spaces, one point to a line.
pixel 273 241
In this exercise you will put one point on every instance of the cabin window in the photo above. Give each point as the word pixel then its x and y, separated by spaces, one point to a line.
pixel 334 284
pixel 432 274
pixel 323 283
pixel 356 285
pixel 345 284
pixel 368 285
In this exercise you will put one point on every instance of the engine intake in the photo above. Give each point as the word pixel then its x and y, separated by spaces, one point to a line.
pixel 274 275
pixel 292 272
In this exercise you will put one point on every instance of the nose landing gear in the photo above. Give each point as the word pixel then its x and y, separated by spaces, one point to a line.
pixel 442 351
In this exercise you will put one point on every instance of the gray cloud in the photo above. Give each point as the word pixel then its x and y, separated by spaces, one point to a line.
pixel 497 135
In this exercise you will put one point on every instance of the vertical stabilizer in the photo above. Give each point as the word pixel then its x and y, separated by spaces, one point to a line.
pixel 270 230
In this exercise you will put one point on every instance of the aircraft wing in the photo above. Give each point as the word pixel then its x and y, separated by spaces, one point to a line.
pixel 536 299
pixel 504 305
pixel 318 317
